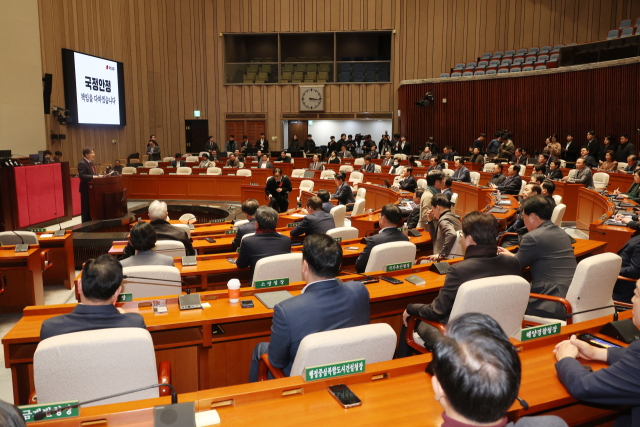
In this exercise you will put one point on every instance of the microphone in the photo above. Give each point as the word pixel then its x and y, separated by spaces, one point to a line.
pixel 233 221
pixel 523 402
pixel 21 247
pixel 41 415
pixel 60 232
pixel 187 302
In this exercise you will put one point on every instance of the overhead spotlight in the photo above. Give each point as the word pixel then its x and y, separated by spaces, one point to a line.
pixel 424 102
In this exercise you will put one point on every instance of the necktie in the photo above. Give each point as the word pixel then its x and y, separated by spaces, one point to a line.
pixel 92 168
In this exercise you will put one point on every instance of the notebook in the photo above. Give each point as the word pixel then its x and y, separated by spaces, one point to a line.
pixel 498 210
pixel 270 299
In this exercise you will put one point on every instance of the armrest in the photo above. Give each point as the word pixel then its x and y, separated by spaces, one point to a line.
pixel 411 325
pixel 622 304
pixel 564 302
pixel 506 234
pixel 423 258
pixel 265 367
pixel 120 242
pixel 164 377
pixel 627 279
pixel 45 259
pixel 32 398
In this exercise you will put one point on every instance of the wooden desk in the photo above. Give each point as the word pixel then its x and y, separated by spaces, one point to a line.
pixel 23 271
pixel 184 187
pixel 63 270
pixel 200 360
pixel 393 392
pixel 591 207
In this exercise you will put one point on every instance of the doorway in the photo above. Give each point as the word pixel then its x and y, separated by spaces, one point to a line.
pixel 197 134
pixel 297 127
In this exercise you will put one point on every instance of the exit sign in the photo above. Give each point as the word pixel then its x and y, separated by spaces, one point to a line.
pixel 196 113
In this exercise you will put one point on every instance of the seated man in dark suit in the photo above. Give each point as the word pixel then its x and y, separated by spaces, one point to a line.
pixel 284 158
pixel 143 240
pixel 630 254
pixel 512 184
pixel 498 177
pixel 99 288
pixel 265 243
pixel 325 197
pixel 249 208
pixel 583 174
pixel 317 220
pixel 547 190
pixel 632 164
pixel 517 226
pixel 414 216
pixel 479 231
pixel 407 180
pixel 616 385
pixel 554 171
pixel 476 375
pixel 177 162
pixel 323 305
pixel 546 249
pixel 462 173
pixel 367 166
pixel 447 191
pixel 390 218
pixel 589 160
pixel 117 166
pixel 343 193
pixel 164 230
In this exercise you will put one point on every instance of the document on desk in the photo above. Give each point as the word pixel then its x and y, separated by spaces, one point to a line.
pixel 44 236
pixel 298 215
pixel 207 418
pixel 505 202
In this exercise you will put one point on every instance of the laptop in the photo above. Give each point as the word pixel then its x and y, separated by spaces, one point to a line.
pixel 309 174
pixel 386 183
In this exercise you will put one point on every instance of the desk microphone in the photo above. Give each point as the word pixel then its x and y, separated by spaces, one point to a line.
pixel 615 314
pixel 233 221
pixel 368 280
pixel 523 402
pixel 41 415
pixel 186 302
pixel 22 247
pixel 60 232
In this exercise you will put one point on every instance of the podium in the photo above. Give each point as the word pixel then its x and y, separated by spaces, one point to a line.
pixel 107 198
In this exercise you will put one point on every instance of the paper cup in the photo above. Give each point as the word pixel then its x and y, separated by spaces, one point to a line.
pixel 234 291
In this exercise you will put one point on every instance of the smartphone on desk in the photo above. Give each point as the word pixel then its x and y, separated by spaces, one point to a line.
pixel 210 239
pixel 344 396
pixel 232 260
pixel 597 342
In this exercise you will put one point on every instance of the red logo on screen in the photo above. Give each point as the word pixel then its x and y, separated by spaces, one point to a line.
pixel 111 68
pixel 107 67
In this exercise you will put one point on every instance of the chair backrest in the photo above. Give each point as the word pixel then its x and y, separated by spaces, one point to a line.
pixel 479 73
pixel 390 253
pixel 558 214
pixel 475 177
pixel 600 180
pixel 128 352
pixel 214 171
pixel 339 212
pixel 10 238
pixel 185 227
pixel 361 194
pixel 592 286
pixel 297 173
pixel 345 233
pixel 279 267
pixel 374 342
pixel 150 164
pixel 622 165
pixel 356 177
pixel 422 183
pixel 377 168
pixel 448 172
pixel 192 159
pixel 572 173
pixel 244 172
pixel 239 223
pixel 515 70
pixel 154 283
pixel 167 159
pixel 306 185
pixel 329 173
pixel 504 298
pixel 557 198
pixel 467 74
pixel 200 154
pixel 625 23
pixel 183 170
pixel 128 170
pixel 488 167
pixel 188 218
pixel 613 34
pixel 522 185
pixel 172 248
pixel 454 201
pixel 358 207
pixel 456 74
pixel 346 168
pixel 156 171
pixel 444 75
pixel 359 161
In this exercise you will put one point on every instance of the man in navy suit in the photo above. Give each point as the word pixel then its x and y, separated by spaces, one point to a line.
pixel 87 172
pixel 249 208
pixel 317 221
pixel 408 181
pixel 462 173
pixel 325 197
pixel 617 385
pixel 99 288
pixel 512 184
pixel 343 193
pixel 390 218
pixel 177 162
pixel 265 243
pixel 323 305
pixel 368 166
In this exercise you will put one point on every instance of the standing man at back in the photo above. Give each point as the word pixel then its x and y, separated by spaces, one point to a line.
pixel 323 305
pixel 87 172
pixel 435 183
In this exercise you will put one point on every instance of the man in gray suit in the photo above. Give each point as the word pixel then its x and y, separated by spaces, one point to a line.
pixel 315 165
pixel 462 173
pixel 546 249
pixel 583 176
pixel 143 239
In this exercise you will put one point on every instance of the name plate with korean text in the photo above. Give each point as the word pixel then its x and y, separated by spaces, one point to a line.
pixel 399 266
pixel 293 224
pixel 528 334
pixel 230 231
pixel 218 221
pixel 29 411
pixel 332 370
pixel 338 239
pixel 273 283
pixel 125 297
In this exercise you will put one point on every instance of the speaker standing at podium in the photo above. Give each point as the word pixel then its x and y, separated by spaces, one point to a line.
pixel 86 171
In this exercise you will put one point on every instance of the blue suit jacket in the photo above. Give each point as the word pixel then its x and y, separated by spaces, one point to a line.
pixel 327 206
pixel 619 384
pixel 317 223
pixel 247 228
pixel 324 306
pixel 511 185
pixel 462 175
pixel 388 235
pixel 258 246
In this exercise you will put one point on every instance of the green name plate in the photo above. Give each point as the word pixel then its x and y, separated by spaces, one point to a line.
pixel 38 230
pixel 143 173
pixel 29 411
pixel 398 266
pixel 332 370
pixel 202 173
pixel 230 231
pixel 534 332
pixel 217 221
pixel 126 297
pixel 338 239
pixel 172 173
pixel 293 224
pixel 238 250
pixel 261 284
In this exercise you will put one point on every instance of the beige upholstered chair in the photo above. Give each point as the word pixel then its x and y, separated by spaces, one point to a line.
pixel 358 207
pixel 454 201
pixel 128 170
pixel 557 198
pixel 504 298
pixel 523 170
pixel 214 171
pixel 488 167
pixel 522 185
pixel 126 354
pixel 297 173
pixel 306 185
pixel 327 174
pixel 246 235
pixel 422 183
pixel 475 177
pixel 192 159
pixel 355 178
pixel 188 218
pixel 600 180
pixel 154 283
pixel 339 213
pixel 448 172
pixel 244 172
pixel 591 287
pixel 622 165
pixel 279 267
pixel 239 223
pixel 374 343
pixel 172 248
pixel 361 194
pixel 166 159
pixel 558 214
pixel 200 154
pixel 359 161
pixel 183 170
pixel 346 168
pixel 377 168
pixel 150 164
pixel 390 253
pixel 156 171
pixel 345 233
pixel 572 173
